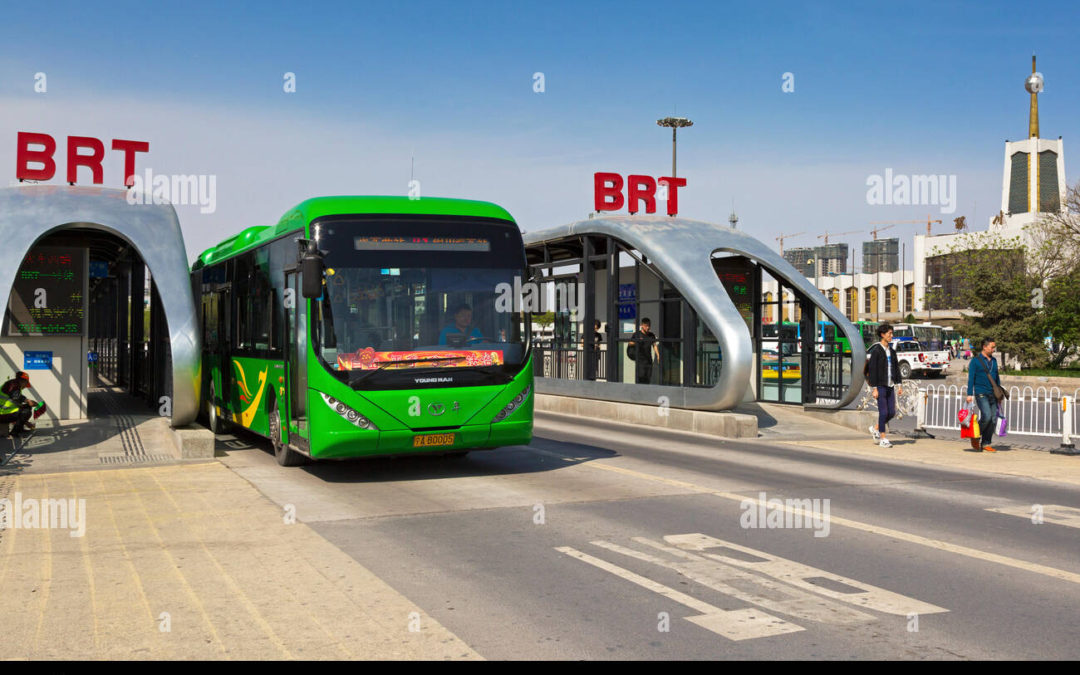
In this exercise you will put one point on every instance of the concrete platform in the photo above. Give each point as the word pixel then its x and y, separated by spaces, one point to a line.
pixel 191 562
pixel 725 424
pixel 120 431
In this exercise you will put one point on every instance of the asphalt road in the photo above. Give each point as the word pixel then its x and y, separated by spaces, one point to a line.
pixel 604 541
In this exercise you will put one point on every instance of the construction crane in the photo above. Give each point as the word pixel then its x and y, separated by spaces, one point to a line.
pixel 835 234
pixel 880 229
pixel 909 222
pixel 782 237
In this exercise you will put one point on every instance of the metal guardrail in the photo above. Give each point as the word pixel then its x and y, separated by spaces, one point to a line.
pixel 567 363
pixel 1075 412
pixel 1031 411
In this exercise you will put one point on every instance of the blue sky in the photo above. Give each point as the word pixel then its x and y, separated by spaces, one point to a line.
pixel 917 87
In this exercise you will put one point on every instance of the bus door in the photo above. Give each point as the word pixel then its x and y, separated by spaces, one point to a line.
pixel 296 352
pixel 222 356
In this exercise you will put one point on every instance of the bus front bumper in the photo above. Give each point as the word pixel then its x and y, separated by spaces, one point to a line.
pixel 404 441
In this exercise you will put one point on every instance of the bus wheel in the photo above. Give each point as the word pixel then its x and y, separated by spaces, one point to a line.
pixel 282 453
pixel 217 425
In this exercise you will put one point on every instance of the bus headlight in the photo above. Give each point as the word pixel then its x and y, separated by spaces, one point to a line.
pixel 513 405
pixel 348 414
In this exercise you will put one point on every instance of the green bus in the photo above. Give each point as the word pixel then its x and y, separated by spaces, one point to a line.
pixel 868 329
pixel 367 326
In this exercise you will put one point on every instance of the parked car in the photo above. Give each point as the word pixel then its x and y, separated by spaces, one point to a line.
pixel 915 359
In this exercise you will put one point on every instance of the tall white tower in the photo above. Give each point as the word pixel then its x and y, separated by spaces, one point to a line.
pixel 1033 179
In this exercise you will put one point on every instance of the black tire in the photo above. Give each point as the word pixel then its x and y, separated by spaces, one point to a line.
pixel 905 370
pixel 284 455
pixel 214 421
pixel 456 455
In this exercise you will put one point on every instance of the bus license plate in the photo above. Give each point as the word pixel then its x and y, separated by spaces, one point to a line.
pixel 430 440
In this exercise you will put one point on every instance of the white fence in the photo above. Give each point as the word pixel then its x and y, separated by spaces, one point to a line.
pixel 1075 411
pixel 1030 411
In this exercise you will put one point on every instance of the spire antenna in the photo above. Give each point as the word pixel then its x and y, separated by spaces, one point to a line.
pixel 1034 85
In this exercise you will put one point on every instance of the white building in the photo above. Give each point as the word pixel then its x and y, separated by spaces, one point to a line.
pixel 1033 185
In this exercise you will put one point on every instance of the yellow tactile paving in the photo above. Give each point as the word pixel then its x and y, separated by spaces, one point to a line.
pixel 197 550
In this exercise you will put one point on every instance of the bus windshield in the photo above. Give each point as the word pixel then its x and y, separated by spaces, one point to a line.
pixel 414 296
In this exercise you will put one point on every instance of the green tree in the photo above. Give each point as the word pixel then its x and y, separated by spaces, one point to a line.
pixel 1020 291
pixel 543 319
pixel 1062 316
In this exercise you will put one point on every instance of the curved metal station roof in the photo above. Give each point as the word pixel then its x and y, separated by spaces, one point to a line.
pixel 29 212
pixel 681 249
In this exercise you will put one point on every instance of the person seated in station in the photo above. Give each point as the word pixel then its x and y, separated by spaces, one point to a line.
pixel 15 408
pixel 461 331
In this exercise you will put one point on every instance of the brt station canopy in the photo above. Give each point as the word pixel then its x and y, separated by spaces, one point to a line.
pixel 721 339
pixel 98 290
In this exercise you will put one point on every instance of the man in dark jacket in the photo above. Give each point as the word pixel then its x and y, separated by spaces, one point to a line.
pixel 883 376
pixel 645 346
pixel 981 371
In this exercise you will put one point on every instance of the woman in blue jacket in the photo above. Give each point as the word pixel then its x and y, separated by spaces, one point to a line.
pixel 981 370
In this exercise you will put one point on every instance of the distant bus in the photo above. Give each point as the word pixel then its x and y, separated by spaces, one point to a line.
pixel 930 335
pixel 868 329
pixel 826 333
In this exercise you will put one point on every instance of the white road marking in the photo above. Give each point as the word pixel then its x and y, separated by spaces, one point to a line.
pixel 1051 513
pixel 729 580
pixel 735 624
pixel 797 574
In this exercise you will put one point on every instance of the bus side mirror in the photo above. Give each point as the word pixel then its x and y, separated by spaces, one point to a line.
pixel 311 270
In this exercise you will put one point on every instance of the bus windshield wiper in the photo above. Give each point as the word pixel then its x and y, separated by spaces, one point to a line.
pixel 355 381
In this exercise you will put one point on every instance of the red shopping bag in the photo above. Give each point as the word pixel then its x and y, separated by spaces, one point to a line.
pixel 965 415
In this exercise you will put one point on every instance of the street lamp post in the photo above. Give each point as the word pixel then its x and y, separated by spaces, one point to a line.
pixel 929 304
pixel 675 123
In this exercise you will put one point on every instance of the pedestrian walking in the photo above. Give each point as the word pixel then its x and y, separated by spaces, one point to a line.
pixel 644 342
pixel 982 378
pixel 883 377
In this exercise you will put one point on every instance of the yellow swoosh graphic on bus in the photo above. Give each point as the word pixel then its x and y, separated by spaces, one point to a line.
pixel 249 414
pixel 243 379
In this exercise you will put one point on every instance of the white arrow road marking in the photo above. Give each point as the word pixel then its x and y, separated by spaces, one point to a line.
pixel 797 574
pixel 735 624
pixel 1051 513
pixel 729 580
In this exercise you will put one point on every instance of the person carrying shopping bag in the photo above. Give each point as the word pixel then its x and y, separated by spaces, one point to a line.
pixel 984 388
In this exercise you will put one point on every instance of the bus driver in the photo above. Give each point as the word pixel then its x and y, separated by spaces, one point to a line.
pixel 455 333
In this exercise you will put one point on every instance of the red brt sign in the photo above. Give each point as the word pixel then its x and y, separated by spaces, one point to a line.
pixel 608 192
pixel 25 156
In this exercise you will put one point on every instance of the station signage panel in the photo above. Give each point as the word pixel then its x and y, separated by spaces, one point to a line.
pixel 37 360
pixel 737 274
pixel 47 296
